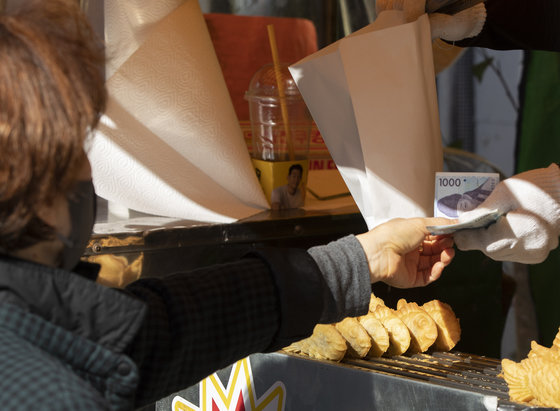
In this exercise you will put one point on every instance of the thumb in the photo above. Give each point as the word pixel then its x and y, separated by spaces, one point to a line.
pixel 518 236
pixel 500 199
pixel 466 23
pixel 481 238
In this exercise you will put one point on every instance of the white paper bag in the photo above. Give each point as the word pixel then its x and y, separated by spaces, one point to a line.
pixel 373 97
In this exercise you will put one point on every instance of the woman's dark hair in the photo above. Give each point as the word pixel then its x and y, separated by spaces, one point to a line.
pixel 52 94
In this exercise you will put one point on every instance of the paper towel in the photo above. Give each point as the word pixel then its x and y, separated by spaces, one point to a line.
pixel 170 143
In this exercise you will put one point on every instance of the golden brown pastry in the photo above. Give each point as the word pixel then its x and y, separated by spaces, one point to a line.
pixel 357 338
pixel 544 380
pixel 116 242
pixel 378 333
pixel 534 379
pixel 116 271
pixel 516 377
pixel 423 329
pixel 556 342
pixel 448 327
pixel 374 302
pixel 538 350
pixel 326 343
pixel 399 335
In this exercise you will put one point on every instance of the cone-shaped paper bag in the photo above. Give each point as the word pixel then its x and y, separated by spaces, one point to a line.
pixel 373 97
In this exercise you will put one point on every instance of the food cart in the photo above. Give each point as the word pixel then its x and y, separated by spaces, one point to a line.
pixel 467 378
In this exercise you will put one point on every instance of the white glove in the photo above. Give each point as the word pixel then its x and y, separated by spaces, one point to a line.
pixel 531 225
pixel 412 8
pixel 466 23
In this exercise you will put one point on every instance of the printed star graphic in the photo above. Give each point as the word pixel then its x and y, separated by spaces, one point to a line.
pixel 215 397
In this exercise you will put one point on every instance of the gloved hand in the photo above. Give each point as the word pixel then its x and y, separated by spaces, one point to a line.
pixel 531 225
pixel 412 8
pixel 466 23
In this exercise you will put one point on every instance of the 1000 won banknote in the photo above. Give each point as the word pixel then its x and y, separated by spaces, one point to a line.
pixel 456 193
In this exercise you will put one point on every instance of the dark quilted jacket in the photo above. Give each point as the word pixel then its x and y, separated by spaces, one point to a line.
pixel 68 343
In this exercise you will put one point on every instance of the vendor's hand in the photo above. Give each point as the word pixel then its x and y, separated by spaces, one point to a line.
pixel 401 253
pixel 531 224
pixel 411 8
pixel 464 24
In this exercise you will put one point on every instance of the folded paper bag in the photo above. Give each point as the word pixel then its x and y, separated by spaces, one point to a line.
pixel 373 97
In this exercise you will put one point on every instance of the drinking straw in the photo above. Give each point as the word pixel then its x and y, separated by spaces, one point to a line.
pixel 281 92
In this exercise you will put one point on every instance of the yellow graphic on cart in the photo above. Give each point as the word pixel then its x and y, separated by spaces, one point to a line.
pixel 239 395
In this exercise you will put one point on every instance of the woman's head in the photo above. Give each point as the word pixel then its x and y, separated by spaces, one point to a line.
pixel 51 96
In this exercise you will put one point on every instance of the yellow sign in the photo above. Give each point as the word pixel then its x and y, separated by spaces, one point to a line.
pixel 239 395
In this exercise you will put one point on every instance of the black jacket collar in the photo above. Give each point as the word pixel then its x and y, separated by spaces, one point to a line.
pixel 104 315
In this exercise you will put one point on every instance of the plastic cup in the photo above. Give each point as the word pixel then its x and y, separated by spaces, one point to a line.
pixel 270 131
pixel 281 128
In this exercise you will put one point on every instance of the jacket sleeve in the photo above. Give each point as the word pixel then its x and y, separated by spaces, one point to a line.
pixel 201 321
pixel 519 24
pixel 346 273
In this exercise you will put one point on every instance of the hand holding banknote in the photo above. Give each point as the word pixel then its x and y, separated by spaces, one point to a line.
pixel 403 254
pixel 529 205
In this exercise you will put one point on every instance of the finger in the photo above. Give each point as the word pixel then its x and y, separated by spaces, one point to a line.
pixel 519 236
pixel 429 274
pixel 500 235
pixel 431 267
pixel 481 238
pixel 496 200
pixel 528 241
pixel 436 245
pixel 438 237
pixel 445 257
pixel 434 221
pixel 435 272
pixel 437 221
pixel 426 262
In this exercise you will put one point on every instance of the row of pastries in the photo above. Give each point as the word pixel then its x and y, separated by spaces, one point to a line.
pixel 408 328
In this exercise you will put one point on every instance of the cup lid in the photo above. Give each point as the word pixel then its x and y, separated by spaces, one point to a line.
pixel 264 84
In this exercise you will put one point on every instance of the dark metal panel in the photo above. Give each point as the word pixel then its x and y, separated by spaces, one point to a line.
pixel 181 245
